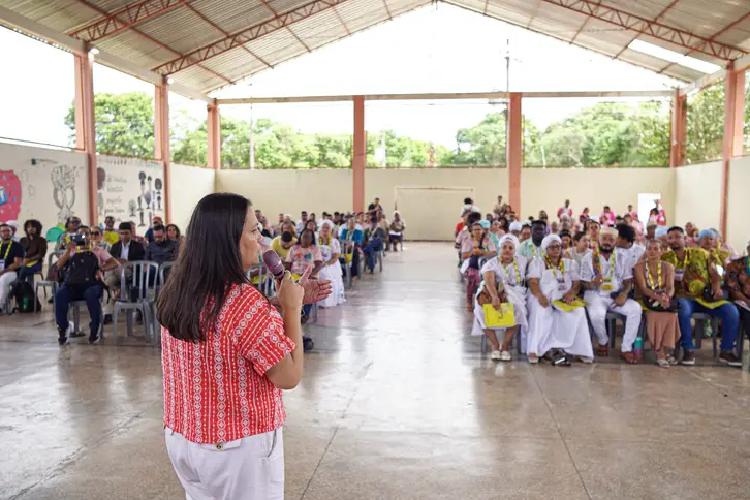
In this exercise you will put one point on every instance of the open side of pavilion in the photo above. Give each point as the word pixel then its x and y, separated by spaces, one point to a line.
pixel 195 48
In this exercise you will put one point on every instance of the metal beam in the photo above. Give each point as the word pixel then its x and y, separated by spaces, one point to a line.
pixel 220 30
pixel 655 29
pixel 445 96
pixel 242 37
pixel 125 17
pixel 712 37
pixel 34 29
pixel 341 20
pixel 658 16
pixel 276 14
pixel 156 42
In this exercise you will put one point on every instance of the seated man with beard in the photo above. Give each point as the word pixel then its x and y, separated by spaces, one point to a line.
pixel 531 248
pixel 697 282
pixel 607 274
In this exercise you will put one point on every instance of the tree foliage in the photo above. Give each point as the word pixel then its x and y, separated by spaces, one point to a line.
pixel 605 134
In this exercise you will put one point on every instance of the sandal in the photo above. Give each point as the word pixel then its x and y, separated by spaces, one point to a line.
pixel 533 359
pixel 662 362
pixel 629 358
pixel 602 350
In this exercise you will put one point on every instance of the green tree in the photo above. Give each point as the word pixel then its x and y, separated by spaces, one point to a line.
pixel 705 124
pixel 124 124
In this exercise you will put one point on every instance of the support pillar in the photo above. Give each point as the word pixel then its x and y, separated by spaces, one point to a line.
pixel 85 126
pixel 161 142
pixel 732 145
pixel 359 155
pixel 514 150
pixel 678 130
pixel 214 136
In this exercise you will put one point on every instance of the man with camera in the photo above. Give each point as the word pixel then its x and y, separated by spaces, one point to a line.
pixel 81 281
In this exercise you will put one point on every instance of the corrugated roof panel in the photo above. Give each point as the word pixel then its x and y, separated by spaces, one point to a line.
pixel 198 78
pixel 234 64
pixel 647 9
pixel 324 25
pixel 281 6
pixel 135 48
pixel 61 15
pixel 180 29
pixel 656 64
pixel 704 18
pixel 235 15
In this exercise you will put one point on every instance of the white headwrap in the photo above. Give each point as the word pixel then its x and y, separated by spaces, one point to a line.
pixel 327 222
pixel 607 230
pixel 548 240
pixel 515 226
pixel 512 239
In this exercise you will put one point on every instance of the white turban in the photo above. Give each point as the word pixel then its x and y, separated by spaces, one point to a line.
pixel 512 239
pixel 549 240
pixel 327 222
pixel 515 226
pixel 607 230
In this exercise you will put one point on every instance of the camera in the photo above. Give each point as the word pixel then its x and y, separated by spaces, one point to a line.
pixel 79 240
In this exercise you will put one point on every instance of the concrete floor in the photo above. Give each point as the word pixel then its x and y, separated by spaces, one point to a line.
pixel 396 402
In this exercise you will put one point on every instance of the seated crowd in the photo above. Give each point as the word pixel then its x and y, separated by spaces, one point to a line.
pixel 90 260
pixel 553 283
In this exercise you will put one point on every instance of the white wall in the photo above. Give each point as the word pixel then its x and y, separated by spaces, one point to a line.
pixel 44 184
pixel 189 185
pixel 547 188
pixel 699 194
pixel 129 189
pixel 738 220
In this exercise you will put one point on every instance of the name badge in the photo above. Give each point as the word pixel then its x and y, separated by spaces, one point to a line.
pixel 561 285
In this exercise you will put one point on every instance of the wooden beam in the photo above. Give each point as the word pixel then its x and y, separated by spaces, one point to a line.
pixel 678 130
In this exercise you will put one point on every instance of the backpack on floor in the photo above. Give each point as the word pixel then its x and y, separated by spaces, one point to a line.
pixel 23 293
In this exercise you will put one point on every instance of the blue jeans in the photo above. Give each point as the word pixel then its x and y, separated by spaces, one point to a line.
pixel 728 314
pixel 66 294
pixel 27 273
pixel 371 251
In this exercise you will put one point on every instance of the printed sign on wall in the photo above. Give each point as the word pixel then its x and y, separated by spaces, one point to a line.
pixel 129 190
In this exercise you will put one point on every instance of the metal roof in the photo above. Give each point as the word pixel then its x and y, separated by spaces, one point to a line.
pixel 208 44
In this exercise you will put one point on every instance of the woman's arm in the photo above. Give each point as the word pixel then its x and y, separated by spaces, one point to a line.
pixel 287 373
pixel 669 278
pixel 640 281
pixel 536 291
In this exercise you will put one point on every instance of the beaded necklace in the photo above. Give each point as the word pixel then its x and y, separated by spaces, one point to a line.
pixel 650 280
pixel 515 268
pixel 560 267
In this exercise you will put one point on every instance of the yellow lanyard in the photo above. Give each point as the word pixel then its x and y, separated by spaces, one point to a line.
pixel 650 280
pixel 7 251
pixel 598 265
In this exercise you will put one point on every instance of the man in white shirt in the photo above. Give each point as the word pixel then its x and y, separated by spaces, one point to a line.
pixel 626 242
pixel 608 279
pixel 531 247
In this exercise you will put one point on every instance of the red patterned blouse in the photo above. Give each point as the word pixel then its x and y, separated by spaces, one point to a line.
pixel 216 390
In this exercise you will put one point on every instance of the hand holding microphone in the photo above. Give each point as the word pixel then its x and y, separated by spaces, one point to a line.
pixel 315 290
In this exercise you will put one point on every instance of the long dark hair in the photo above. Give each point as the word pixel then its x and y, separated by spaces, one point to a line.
pixel 209 263
pixel 34 223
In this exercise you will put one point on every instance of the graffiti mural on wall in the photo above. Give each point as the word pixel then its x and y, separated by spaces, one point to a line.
pixel 10 195
pixel 63 190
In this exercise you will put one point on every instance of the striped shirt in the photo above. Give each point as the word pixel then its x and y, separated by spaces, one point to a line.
pixel 216 390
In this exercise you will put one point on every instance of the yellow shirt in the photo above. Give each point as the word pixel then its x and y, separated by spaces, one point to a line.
pixel 279 248
pixel 691 273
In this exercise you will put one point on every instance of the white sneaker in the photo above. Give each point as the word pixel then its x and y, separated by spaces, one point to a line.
pixel 496 356
pixel 505 356
pixel 587 360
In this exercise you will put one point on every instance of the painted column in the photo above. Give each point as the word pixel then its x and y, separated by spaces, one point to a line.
pixel 214 136
pixel 161 142
pixel 514 155
pixel 359 155
pixel 678 130
pixel 85 125
pixel 732 145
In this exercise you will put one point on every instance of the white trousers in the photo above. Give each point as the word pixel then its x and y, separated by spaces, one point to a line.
pixel 247 468
pixel 597 306
pixel 5 281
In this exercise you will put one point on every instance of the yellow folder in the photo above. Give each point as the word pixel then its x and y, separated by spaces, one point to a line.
pixel 565 307
pixel 499 319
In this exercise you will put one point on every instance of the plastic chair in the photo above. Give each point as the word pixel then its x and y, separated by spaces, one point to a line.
pixel 701 319
pixel 610 324
pixel 347 251
pixel 164 269
pixel 75 308
pixel 44 284
pixel 137 294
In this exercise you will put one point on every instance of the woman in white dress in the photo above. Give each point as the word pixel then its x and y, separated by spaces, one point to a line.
pixel 330 249
pixel 554 278
pixel 503 280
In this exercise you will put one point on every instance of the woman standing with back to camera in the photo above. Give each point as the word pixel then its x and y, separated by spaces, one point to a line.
pixel 226 355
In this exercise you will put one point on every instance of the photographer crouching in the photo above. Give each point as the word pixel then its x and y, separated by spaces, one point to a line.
pixel 81 281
